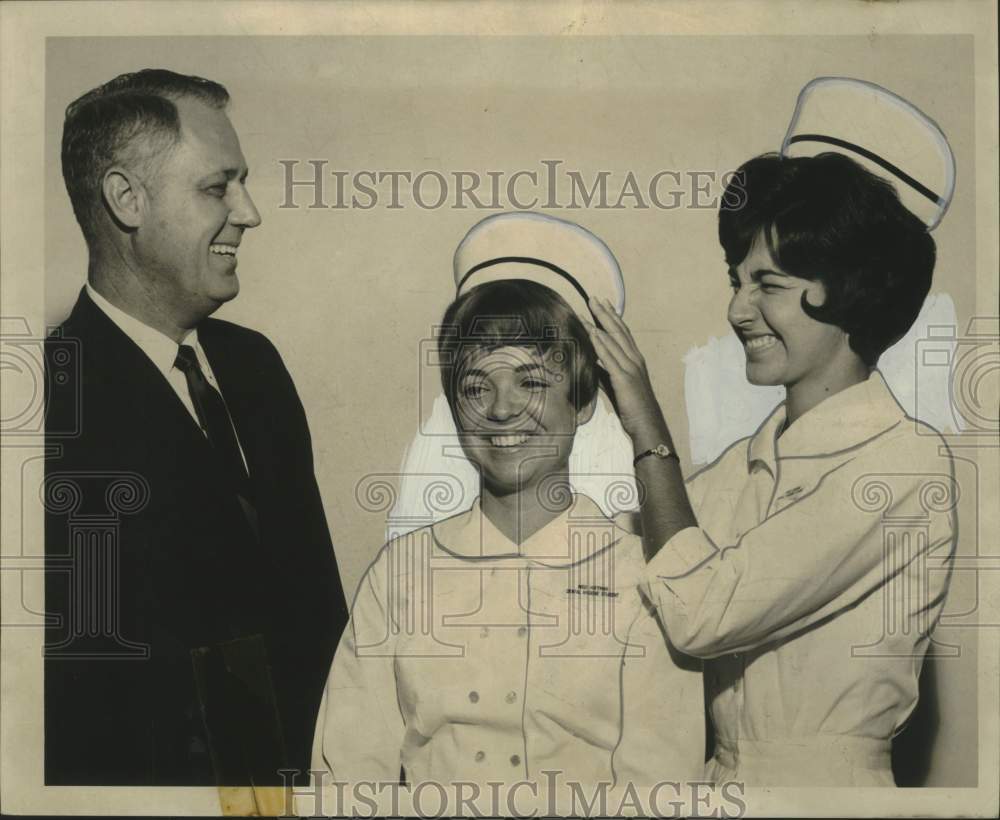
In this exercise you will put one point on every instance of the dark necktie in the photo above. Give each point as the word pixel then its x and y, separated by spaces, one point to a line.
pixel 218 426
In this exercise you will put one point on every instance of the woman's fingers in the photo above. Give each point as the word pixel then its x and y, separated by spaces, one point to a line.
pixel 620 323
pixel 616 328
pixel 608 351
pixel 616 361
pixel 620 327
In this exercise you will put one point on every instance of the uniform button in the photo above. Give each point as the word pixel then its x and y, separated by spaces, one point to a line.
pixel 511 697
pixel 522 631
pixel 474 696
pixel 484 632
pixel 480 757
pixel 515 760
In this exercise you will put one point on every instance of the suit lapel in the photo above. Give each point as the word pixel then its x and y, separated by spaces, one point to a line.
pixel 135 383
pixel 238 384
pixel 148 410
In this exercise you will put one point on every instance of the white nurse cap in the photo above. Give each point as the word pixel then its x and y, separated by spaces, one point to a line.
pixel 881 131
pixel 552 252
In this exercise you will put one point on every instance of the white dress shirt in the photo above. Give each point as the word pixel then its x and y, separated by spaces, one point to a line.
pixel 469 658
pixel 162 352
pixel 819 567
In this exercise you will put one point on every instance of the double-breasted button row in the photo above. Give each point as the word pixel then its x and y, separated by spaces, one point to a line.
pixel 510 697
pixel 480 756
pixel 484 632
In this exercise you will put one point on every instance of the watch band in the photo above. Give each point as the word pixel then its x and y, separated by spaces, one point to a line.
pixel 660 451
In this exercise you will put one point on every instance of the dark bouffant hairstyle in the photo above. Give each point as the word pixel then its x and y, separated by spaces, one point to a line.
pixel 518 313
pixel 826 218
pixel 131 120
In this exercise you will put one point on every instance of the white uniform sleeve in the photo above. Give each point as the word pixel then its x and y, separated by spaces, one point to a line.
pixel 359 731
pixel 812 559
pixel 663 723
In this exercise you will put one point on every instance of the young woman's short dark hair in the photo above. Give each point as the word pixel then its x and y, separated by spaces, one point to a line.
pixel 516 313
pixel 826 218
pixel 131 120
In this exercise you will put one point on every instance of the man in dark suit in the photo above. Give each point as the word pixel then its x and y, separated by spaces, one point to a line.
pixel 192 592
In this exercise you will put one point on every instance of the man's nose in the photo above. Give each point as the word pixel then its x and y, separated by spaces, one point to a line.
pixel 244 213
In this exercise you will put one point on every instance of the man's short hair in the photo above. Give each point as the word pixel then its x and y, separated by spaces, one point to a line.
pixel 516 313
pixel 826 218
pixel 131 120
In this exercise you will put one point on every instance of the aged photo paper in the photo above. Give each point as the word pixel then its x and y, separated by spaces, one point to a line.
pixel 361 146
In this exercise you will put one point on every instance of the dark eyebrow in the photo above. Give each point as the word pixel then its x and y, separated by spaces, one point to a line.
pixel 758 274
pixel 475 372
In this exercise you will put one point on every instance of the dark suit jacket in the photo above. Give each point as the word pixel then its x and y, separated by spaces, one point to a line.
pixel 151 561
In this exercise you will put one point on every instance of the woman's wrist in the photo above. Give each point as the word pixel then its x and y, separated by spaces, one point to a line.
pixel 648 434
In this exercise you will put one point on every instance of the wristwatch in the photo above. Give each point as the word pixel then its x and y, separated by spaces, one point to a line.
pixel 660 451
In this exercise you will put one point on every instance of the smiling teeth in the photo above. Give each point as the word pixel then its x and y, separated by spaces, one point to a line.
pixel 508 441
pixel 761 342
pixel 226 250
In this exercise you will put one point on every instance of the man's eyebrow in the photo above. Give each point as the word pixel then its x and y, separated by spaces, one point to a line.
pixel 228 173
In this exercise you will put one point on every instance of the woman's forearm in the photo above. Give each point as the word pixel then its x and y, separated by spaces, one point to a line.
pixel 665 508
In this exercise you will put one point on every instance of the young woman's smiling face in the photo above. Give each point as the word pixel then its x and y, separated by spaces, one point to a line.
pixel 516 415
pixel 783 345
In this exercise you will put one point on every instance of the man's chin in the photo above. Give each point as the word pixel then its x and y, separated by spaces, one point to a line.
pixel 225 292
pixel 215 300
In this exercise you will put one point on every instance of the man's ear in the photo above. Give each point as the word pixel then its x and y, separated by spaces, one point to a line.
pixel 586 413
pixel 124 196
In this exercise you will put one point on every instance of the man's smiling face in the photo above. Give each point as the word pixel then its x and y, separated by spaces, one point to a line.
pixel 197 208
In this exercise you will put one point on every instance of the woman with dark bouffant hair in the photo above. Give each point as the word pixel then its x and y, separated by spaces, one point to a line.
pixel 808 565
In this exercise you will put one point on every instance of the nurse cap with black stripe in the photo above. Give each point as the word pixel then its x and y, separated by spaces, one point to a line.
pixel 881 131
pixel 553 252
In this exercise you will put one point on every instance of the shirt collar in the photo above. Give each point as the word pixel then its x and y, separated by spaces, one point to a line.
pixel 845 420
pixel 160 348
pixel 472 535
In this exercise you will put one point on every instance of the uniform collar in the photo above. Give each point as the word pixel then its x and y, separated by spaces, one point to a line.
pixel 845 420
pixel 160 348
pixel 472 535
